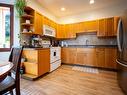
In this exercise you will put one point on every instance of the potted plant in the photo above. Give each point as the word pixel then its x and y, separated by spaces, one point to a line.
pixel 20 6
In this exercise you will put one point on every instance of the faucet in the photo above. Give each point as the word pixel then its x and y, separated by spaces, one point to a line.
pixel 87 41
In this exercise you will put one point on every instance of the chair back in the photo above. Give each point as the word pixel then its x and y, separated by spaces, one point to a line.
pixel 15 58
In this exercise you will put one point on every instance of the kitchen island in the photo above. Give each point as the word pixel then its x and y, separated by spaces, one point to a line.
pixel 37 62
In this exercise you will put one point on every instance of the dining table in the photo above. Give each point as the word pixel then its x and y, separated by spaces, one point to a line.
pixel 5 68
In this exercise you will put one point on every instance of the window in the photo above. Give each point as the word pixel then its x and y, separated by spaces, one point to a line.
pixel 6 27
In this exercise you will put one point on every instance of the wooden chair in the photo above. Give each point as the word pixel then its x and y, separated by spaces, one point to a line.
pixel 10 83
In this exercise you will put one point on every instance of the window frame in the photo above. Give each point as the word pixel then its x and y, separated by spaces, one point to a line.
pixel 11 25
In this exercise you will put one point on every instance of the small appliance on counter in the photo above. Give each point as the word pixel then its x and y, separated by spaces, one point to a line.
pixel 54 43
pixel 45 43
pixel 36 41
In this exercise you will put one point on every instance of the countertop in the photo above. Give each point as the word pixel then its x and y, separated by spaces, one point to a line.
pixel 35 48
pixel 76 46
pixel 92 46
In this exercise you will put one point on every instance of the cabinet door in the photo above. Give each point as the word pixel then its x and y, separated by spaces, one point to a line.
pixel 64 55
pixel 81 58
pixel 91 26
pixel 69 30
pixel 76 28
pixel 109 27
pixel 69 55
pixel 116 20
pixel 38 24
pixel 91 58
pixel 110 57
pixel 86 56
pixel 79 27
pixel 46 21
pixel 100 57
pixel 43 61
pixel 102 28
pixel 61 31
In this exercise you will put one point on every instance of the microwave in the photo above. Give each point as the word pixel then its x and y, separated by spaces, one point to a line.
pixel 49 31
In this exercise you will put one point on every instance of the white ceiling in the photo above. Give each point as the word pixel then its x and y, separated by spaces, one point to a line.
pixel 74 7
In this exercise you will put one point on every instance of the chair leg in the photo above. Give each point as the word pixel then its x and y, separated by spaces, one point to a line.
pixel 17 90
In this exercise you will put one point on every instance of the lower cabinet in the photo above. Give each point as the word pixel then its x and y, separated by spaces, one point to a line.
pixel 38 61
pixel 84 56
pixel 69 55
pixel 110 57
pixel 100 57
pixel 96 57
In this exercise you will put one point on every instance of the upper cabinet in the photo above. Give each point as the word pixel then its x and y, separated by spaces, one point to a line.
pixel 38 23
pixel 61 31
pixel 91 26
pixel 108 27
pixel 32 23
pixel 69 31
pixel 65 31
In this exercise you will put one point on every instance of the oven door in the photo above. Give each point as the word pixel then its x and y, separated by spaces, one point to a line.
pixel 55 54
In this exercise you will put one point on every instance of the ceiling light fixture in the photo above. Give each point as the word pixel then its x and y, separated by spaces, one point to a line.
pixel 63 9
pixel 91 1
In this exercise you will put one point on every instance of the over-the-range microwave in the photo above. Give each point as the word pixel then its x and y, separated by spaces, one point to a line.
pixel 49 31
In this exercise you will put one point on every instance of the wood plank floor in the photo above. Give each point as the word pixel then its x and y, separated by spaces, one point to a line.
pixel 65 81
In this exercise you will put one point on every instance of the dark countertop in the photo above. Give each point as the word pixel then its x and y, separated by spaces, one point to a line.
pixel 92 46
pixel 35 48
pixel 76 46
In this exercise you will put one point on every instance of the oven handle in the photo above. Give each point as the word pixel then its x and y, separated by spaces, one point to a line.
pixel 121 63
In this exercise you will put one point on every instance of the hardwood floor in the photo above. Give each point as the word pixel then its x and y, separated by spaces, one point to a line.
pixel 65 81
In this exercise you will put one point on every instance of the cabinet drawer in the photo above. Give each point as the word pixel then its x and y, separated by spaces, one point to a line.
pixel 85 50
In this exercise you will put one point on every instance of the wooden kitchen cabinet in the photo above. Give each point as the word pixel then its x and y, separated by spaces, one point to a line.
pixel 116 20
pixel 100 57
pixel 68 55
pixel 69 31
pixel 61 34
pixel 102 29
pixel 108 27
pixel 81 58
pixel 96 57
pixel 110 57
pixel 37 64
pixel 46 21
pixel 91 26
pixel 106 57
pixel 86 56
pixel 38 23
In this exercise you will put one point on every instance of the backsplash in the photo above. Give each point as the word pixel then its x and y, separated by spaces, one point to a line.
pixel 89 39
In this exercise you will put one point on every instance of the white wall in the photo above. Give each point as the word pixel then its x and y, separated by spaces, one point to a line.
pixel 95 14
